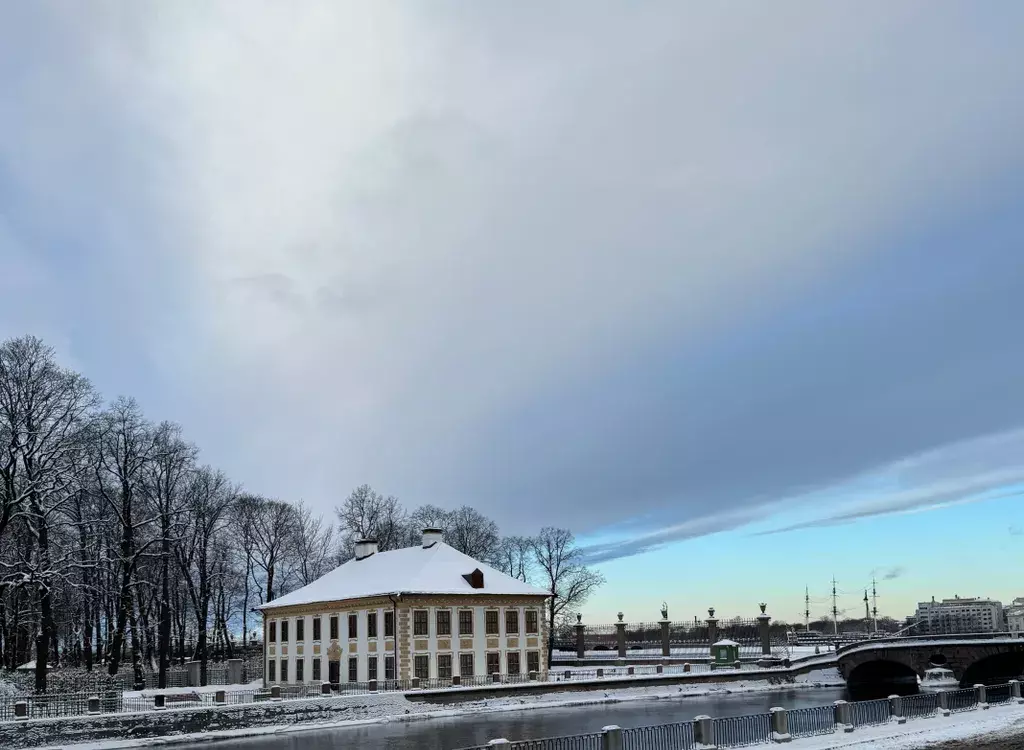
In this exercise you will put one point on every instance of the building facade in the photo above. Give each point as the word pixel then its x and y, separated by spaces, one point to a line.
pixel 956 615
pixel 427 611
pixel 1015 616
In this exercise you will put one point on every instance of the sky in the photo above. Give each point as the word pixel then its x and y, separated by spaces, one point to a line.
pixel 732 290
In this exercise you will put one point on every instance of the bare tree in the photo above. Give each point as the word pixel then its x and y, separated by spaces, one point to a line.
pixel 314 546
pixel 560 566
pixel 472 533
pixel 366 514
pixel 515 557
pixel 44 410
pixel 273 533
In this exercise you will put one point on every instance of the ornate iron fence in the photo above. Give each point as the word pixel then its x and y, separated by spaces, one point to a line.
pixel 740 731
pixel 870 713
pixel 806 722
pixel 962 700
pixel 997 693
pixel 663 737
pixel 917 706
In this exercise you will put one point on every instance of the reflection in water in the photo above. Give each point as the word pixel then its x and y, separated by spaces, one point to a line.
pixel 467 731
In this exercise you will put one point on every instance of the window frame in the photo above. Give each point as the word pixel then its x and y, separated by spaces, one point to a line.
pixel 353 669
pixel 417 661
pixel 533 656
pixel 493 657
pixel 444 666
pixel 371 624
pixel 534 627
pixel 335 627
pixel 509 656
pixel 371 667
pixel 420 623
pixel 284 631
pixel 271 671
pixel 353 626
pixel 512 618
pixel 463 657
pixel 300 669
pixel 317 628
pixel 389 624
pixel 389 668
pixel 284 670
pixel 300 628
pixel 272 632
pixel 317 669
pixel 466 622
pixel 445 627
pixel 496 616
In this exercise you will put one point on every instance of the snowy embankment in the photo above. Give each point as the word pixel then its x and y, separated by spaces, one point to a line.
pixel 200 724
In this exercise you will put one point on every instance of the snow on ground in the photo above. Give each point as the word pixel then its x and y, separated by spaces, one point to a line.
pixel 999 722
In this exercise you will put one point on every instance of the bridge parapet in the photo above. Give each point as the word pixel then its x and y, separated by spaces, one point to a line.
pixel 970 659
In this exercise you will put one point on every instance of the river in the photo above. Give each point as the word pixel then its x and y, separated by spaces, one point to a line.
pixel 467 731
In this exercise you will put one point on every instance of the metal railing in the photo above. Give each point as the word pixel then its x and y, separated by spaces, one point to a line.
pixel 663 737
pixel 919 706
pixel 997 694
pixel 871 713
pixel 962 700
pixel 740 731
pixel 806 722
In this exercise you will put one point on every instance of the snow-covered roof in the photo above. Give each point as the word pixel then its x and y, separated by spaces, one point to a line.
pixel 438 569
pixel 725 642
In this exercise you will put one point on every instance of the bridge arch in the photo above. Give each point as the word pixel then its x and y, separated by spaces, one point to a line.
pixel 994 669
pixel 876 671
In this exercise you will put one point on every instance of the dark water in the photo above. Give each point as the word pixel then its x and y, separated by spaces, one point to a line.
pixel 467 731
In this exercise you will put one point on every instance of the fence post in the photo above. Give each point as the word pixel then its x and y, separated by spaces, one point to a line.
pixel 1015 691
pixel 94 705
pixel 704 730
pixel 686 667
pixel 666 637
pixel 620 638
pixel 896 709
pixel 712 623
pixel 844 716
pixel 325 688
pixel 21 711
pixel 415 683
pixel 581 643
pixel 660 669
pixel 764 629
pixel 780 725
pixel 982 696
pixel 275 692
pixel 630 671
pixel 456 680
pixel 944 704
pixel 159 702
pixel 600 672
pixel 234 671
pixel 533 676
pixel 568 674
pixel 220 697
pixel 611 737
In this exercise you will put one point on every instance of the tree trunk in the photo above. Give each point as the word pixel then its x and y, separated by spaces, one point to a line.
pixel 164 637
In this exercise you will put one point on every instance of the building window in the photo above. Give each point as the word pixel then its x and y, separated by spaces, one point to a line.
pixel 532 661
pixel 466 665
pixel 273 632
pixel 334 627
pixel 531 622
pixel 284 631
pixel 371 625
pixel 316 628
pixel 423 667
pixel 389 624
pixel 300 670
pixel 492 622
pixel 271 670
pixel 465 622
pixel 444 666
pixel 284 670
pixel 353 626
pixel 333 672
pixel 513 662
pixel 371 668
pixel 300 629
pixel 419 622
pixel 389 667
pixel 444 622
pixel 353 669
pixel 511 622
pixel 493 662
pixel 316 670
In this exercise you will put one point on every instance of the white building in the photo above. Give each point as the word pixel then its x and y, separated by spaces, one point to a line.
pixel 956 615
pixel 1015 616
pixel 427 611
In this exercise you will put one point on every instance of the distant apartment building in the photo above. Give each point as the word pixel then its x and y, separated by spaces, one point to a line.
pixel 1015 616
pixel 957 615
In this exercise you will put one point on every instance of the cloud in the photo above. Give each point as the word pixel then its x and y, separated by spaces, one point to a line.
pixel 572 266
pixel 890 574
pixel 1016 531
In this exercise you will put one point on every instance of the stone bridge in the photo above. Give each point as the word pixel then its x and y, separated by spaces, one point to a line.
pixel 972 660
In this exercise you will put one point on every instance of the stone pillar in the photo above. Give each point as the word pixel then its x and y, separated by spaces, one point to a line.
pixel 159 702
pixel 220 697
pixel 496 677
pixel 712 623
pixel 1015 691
pixel 666 637
pixel 415 683
pixel 686 667
pixel 620 637
pixel 456 680
pixel 21 711
pixel 763 622
pixel 704 730
pixel 192 674
pixel 982 696
pixel 325 688
pixel 611 737
pixel 600 673
pixel 780 725
pixel 275 692
pixel 373 686
pixel 944 703
pixel 844 716
pixel 896 709
pixel 94 705
pixel 630 671
pixel 660 669
pixel 234 671
pixel 533 676
pixel 568 674
pixel 581 644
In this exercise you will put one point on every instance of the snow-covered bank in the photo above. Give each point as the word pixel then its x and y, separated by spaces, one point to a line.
pixel 394 708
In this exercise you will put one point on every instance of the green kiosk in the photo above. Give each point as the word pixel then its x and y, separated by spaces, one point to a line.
pixel 724 653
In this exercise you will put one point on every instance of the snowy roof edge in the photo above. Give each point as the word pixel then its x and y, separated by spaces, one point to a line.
pixel 270 605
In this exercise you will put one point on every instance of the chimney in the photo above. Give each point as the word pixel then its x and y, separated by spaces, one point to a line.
pixel 432 536
pixel 365 548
